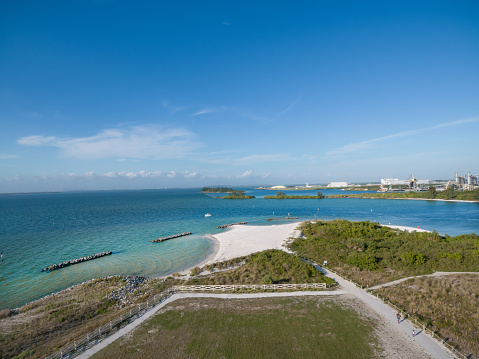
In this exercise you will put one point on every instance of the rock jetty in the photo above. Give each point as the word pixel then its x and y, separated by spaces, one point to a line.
pixel 171 237
pixel 231 224
pixel 76 261
pixel 277 219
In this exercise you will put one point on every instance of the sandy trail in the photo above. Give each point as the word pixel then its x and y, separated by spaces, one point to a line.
pixel 435 274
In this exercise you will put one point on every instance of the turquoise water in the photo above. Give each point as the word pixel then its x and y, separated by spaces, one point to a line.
pixel 32 235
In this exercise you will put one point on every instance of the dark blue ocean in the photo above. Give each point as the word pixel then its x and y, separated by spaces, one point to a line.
pixel 37 230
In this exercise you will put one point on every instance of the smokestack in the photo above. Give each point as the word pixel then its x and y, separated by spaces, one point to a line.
pixel 469 178
pixel 457 179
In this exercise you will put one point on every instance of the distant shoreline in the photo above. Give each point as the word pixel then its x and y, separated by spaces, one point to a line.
pixel 414 199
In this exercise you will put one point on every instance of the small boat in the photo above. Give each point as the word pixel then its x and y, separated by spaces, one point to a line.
pixel 207 215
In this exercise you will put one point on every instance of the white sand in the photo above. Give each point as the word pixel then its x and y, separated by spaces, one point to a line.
pixel 404 228
pixel 243 240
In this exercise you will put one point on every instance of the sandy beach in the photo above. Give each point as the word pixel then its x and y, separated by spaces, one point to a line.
pixel 404 228
pixel 240 241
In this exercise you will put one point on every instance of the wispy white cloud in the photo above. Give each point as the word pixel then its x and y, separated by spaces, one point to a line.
pixel 246 173
pixel 205 111
pixel 266 120
pixel 8 156
pixel 142 142
pixel 170 107
pixel 287 109
pixel 364 145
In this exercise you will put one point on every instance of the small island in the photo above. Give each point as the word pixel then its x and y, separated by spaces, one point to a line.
pixel 282 195
pixel 236 194
pixel 216 190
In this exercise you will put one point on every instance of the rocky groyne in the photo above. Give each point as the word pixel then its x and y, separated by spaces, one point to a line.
pixel 231 224
pixel 76 261
pixel 171 237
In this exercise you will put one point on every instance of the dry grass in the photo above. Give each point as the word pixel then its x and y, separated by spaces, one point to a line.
pixel 448 304
pixel 367 278
pixel 314 327
pixel 44 326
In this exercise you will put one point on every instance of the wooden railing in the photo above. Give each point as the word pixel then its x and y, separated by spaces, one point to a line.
pixel 79 346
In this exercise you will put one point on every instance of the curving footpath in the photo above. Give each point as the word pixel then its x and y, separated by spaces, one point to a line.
pixel 435 274
pixel 434 348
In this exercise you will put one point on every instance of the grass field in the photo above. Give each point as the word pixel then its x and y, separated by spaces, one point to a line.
pixel 299 327
pixel 449 305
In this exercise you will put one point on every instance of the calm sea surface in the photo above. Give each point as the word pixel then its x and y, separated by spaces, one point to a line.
pixel 37 230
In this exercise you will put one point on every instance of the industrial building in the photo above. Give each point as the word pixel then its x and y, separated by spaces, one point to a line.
pixel 467 183
pixel 411 184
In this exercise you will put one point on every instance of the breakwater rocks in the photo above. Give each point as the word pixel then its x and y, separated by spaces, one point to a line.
pixel 277 219
pixel 76 261
pixel 125 295
pixel 231 224
pixel 171 237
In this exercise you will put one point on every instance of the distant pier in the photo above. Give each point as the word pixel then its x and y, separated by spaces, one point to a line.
pixel 76 261
pixel 171 237
pixel 277 219
pixel 231 224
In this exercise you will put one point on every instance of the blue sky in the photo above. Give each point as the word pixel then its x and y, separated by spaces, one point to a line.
pixel 123 94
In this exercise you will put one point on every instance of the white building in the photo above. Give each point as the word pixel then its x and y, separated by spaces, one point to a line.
pixel 338 184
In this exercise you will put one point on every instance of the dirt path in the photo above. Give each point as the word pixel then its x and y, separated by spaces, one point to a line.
pixel 435 274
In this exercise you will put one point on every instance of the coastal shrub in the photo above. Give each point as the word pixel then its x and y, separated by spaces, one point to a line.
pixel 456 256
pixel 267 280
pixel 413 258
pixel 362 260
pixel 396 253
pixel 195 271
pixel 272 265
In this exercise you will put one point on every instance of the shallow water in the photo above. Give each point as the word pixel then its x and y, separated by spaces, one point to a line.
pixel 37 230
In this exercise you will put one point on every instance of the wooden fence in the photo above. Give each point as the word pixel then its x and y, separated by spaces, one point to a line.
pixel 235 287
pixel 79 346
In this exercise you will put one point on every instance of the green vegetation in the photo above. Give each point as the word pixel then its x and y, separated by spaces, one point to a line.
pixel 251 328
pixel 216 190
pixel 432 193
pixel 236 194
pixel 282 195
pixel 371 254
pixel 271 266
pixel 42 327
pixel 449 305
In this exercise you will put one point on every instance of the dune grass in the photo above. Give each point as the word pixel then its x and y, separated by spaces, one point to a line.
pixel 254 328
pixel 448 304
pixel 267 267
pixel 40 328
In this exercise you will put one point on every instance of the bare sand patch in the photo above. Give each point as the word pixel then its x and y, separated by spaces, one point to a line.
pixel 240 241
